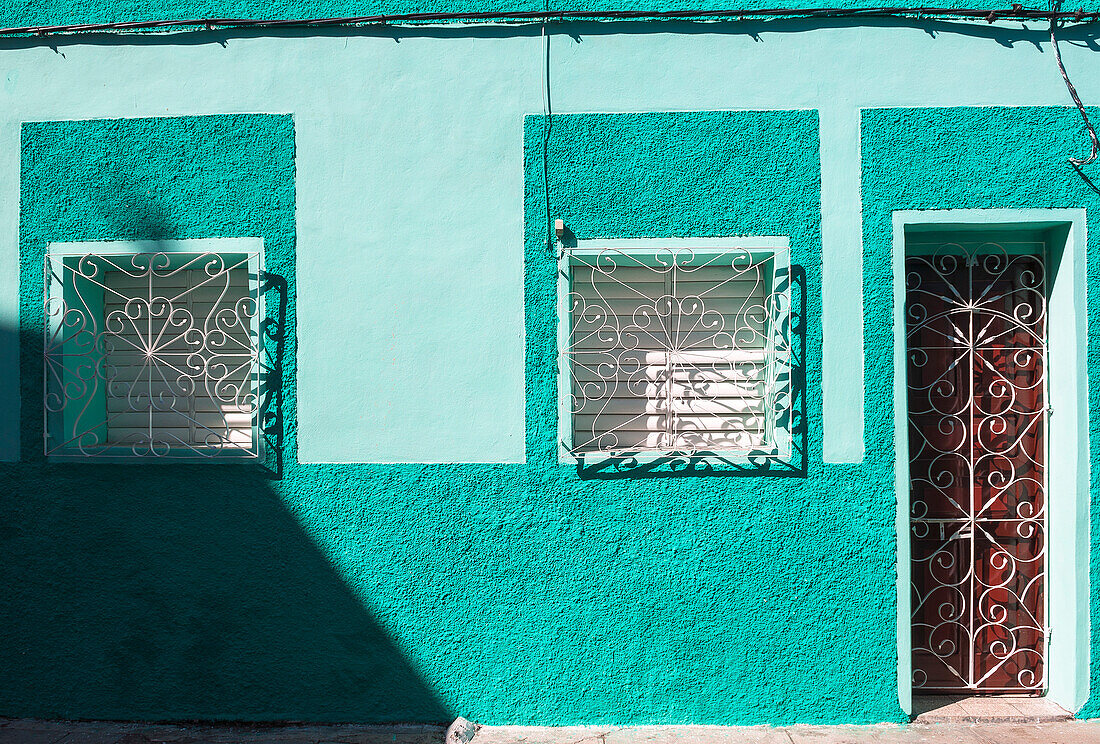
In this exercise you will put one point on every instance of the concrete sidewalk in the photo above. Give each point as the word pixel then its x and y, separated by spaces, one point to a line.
pixel 28 731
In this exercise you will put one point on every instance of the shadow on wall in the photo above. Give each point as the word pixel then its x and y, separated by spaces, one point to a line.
pixel 187 591
pixel 755 28
pixel 172 592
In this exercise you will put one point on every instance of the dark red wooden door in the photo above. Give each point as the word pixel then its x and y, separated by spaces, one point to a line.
pixel 976 338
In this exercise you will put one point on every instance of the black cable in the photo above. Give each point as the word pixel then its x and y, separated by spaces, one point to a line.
pixel 1076 162
pixel 547 124
pixel 1015 13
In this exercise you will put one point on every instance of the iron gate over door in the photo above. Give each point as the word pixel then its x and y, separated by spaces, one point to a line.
pixel 976 336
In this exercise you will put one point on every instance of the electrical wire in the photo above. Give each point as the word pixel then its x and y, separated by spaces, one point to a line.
pixel 547 110
pixel 1014 13
pixel 1075 162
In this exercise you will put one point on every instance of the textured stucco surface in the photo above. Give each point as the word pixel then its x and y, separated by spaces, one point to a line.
pixel 762 567
pixel 504 593
pixel 971 158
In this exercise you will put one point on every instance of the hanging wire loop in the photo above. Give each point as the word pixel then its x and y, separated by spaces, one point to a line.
pixel 1077 163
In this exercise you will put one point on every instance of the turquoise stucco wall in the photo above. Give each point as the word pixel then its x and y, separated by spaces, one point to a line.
pixel 793 549
pixel 505 593
pixel 103 194
pixel 413 589
pixel 974 159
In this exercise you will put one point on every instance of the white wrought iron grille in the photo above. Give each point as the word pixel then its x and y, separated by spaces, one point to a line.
pixel 976 334
pixel 677 351
pixel 152 355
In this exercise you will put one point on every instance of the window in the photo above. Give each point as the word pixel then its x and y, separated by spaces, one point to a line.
pixel 676 347
pixel 152 350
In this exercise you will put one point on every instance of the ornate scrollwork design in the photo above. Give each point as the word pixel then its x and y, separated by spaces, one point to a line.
pixel 152 355
pixel 976 334
pixel 677 351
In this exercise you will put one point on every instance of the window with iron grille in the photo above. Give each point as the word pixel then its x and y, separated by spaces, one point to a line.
pixel 677 347
pixel 152 350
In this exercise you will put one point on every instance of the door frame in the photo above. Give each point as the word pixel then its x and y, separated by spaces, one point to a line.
pixel 1068 465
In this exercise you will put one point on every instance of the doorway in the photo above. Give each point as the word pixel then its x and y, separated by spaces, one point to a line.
pixel 976 388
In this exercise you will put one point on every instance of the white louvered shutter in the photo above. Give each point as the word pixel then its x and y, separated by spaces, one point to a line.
pixel 185 381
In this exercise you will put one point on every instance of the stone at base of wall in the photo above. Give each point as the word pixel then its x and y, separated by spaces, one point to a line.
pixel 461 731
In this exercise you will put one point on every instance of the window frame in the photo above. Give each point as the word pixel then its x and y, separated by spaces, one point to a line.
pixel 252 249
pixel 776 249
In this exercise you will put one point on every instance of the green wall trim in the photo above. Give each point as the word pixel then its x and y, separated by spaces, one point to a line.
pixel 970 160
